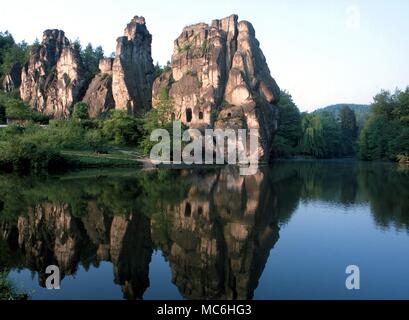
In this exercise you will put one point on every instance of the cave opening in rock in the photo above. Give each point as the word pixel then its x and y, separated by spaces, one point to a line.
pixel 189 115
pixel 201 116
pixel 188 210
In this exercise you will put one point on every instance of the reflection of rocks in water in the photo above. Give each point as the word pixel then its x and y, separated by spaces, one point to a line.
pixel 49 235
pixel 131 251
pixel 219 238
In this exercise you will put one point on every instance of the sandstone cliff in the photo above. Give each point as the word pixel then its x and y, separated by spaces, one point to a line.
pixel 52 79
pixel 219 78
pixel 99 97
pixel 133 70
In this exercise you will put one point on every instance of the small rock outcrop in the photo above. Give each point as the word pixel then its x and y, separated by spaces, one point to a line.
pixel 53 78
pixel 133 69
pixel 99 97
pixel 219 78
pixel 12 80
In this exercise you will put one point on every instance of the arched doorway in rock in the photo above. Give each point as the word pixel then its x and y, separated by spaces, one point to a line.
pixel 189 115
pixel 201 115
pixel 188 210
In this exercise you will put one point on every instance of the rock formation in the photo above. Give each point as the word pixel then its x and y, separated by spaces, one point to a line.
pixel 12 80
pixel 52 80
pixel 99 96
pixel 220 236
pixel 219 78
pixel 133 69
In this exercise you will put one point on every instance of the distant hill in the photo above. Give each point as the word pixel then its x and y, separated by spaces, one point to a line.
pixel 361 111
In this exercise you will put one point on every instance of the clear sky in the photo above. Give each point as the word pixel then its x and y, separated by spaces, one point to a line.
pixel 322 52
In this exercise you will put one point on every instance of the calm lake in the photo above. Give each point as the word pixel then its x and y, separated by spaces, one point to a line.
pixel 288 232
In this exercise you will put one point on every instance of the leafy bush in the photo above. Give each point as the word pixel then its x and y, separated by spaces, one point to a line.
pixel 121 129
pixel 96 141
pixel 22 155
pixel 14 108
pixel 80 111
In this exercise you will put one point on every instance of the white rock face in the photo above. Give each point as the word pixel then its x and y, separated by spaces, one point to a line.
pixel 133 69
pixel 52 80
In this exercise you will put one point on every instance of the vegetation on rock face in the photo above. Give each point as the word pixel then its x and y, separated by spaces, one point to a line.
pixel 161 117
pixel 90 59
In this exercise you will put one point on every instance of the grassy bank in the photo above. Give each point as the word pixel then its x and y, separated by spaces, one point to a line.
pixel 75 143
pixel 115 158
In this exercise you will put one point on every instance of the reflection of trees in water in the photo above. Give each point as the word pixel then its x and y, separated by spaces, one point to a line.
pixel 387 190
pixel 215 228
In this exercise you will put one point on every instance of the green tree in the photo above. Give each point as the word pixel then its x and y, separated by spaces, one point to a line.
pixel 122 129
pixel 312 142
pixel 160 117
pixel 90 58
pixel 386 134
pixel 11 53
pixel 321 135
pixel 289 131
pixel 80 111
pixel 349 130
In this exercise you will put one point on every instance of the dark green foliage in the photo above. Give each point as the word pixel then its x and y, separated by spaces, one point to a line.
pixel 289 131
pixel 349 130
pixel 2 114
pixel 361 112
pixel 80 111
pixel 121 128
pixel 11 53
pixel 90 58
pixel 158 118
pixel 321 136
pixel 160 70
pixel 15 109
pixel 386 134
